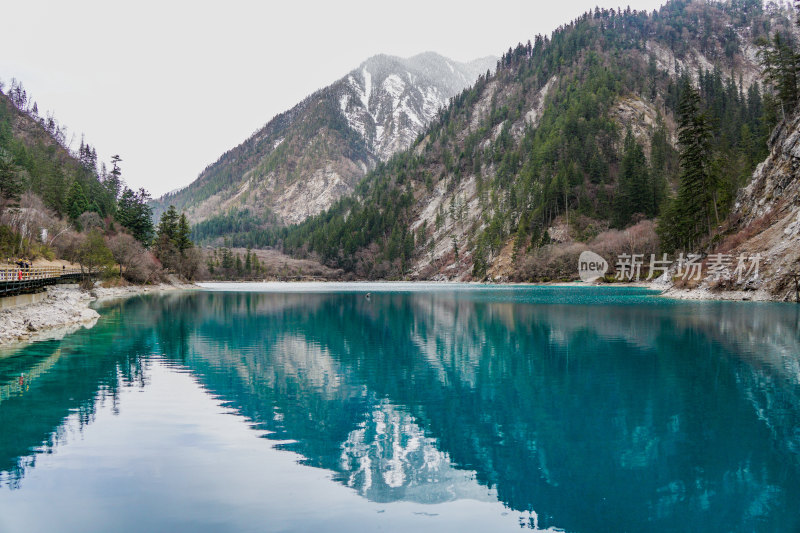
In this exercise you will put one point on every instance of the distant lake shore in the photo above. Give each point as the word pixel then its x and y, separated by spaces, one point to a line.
pixel 66 309
pixel 665 289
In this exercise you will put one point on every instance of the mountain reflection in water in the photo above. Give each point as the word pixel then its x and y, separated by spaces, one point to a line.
pixel 615 411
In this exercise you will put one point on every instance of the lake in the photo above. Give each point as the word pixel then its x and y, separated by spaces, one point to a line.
pixel 400 407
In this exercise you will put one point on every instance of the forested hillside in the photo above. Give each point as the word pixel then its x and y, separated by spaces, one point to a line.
pixel 56 203
pixel 34 157
pixel 583 136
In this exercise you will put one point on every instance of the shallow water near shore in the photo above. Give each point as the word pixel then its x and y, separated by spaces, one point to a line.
pixel 397 407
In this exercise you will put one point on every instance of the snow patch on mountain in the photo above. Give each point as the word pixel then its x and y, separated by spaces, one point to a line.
pixel 389 100
pixel 367 88
pixel 384 104
pixel 394 88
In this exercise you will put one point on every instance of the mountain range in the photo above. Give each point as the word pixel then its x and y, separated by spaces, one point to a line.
pixel 576 141
pixel 303 160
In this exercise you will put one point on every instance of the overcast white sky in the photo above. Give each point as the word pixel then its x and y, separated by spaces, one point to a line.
pixel 170 86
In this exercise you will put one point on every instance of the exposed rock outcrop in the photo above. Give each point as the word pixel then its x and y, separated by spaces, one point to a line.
pixel 766 216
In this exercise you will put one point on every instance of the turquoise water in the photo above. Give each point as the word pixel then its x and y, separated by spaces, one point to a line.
pixel 424 408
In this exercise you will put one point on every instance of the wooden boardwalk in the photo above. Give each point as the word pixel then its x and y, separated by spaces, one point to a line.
pixel 17 280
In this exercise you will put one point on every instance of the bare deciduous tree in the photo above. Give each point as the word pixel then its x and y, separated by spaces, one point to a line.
pixel 136 264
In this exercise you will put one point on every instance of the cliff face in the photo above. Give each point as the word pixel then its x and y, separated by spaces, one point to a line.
pixel 766 217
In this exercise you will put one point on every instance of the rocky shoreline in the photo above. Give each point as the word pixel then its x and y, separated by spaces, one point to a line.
pixel 699 293
pixel 63 311
pixel 733 296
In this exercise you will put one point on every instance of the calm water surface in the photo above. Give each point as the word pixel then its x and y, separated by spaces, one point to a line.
pixel 424 408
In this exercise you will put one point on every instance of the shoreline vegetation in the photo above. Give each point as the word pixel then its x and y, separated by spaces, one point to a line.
pixel 66 309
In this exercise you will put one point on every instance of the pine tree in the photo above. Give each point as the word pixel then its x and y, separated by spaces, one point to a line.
pixel 781 64
pixel 227 262
pixel 682 224
pixel 135 215
pixel 660 156
pixel 168 225
pixel 113 182
pixel 173 243
pixel 165 247
pixel 634 189
pixel 10 185
pixel 76 201
pixel 182 235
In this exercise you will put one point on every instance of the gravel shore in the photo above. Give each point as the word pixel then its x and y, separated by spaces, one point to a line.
pixel 707 294
pixel 63 311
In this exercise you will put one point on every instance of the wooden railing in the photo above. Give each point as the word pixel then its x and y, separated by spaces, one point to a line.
pixel 16 280
pixel 35 273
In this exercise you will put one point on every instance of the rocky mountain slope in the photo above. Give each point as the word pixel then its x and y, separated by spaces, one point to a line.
pixel 531 161
pixel 303 160
pixel 765 220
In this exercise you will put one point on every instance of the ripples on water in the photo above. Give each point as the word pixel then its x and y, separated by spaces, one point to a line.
pixel 419 406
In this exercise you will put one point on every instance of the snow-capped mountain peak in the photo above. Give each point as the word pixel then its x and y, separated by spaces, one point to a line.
pixel 303 160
